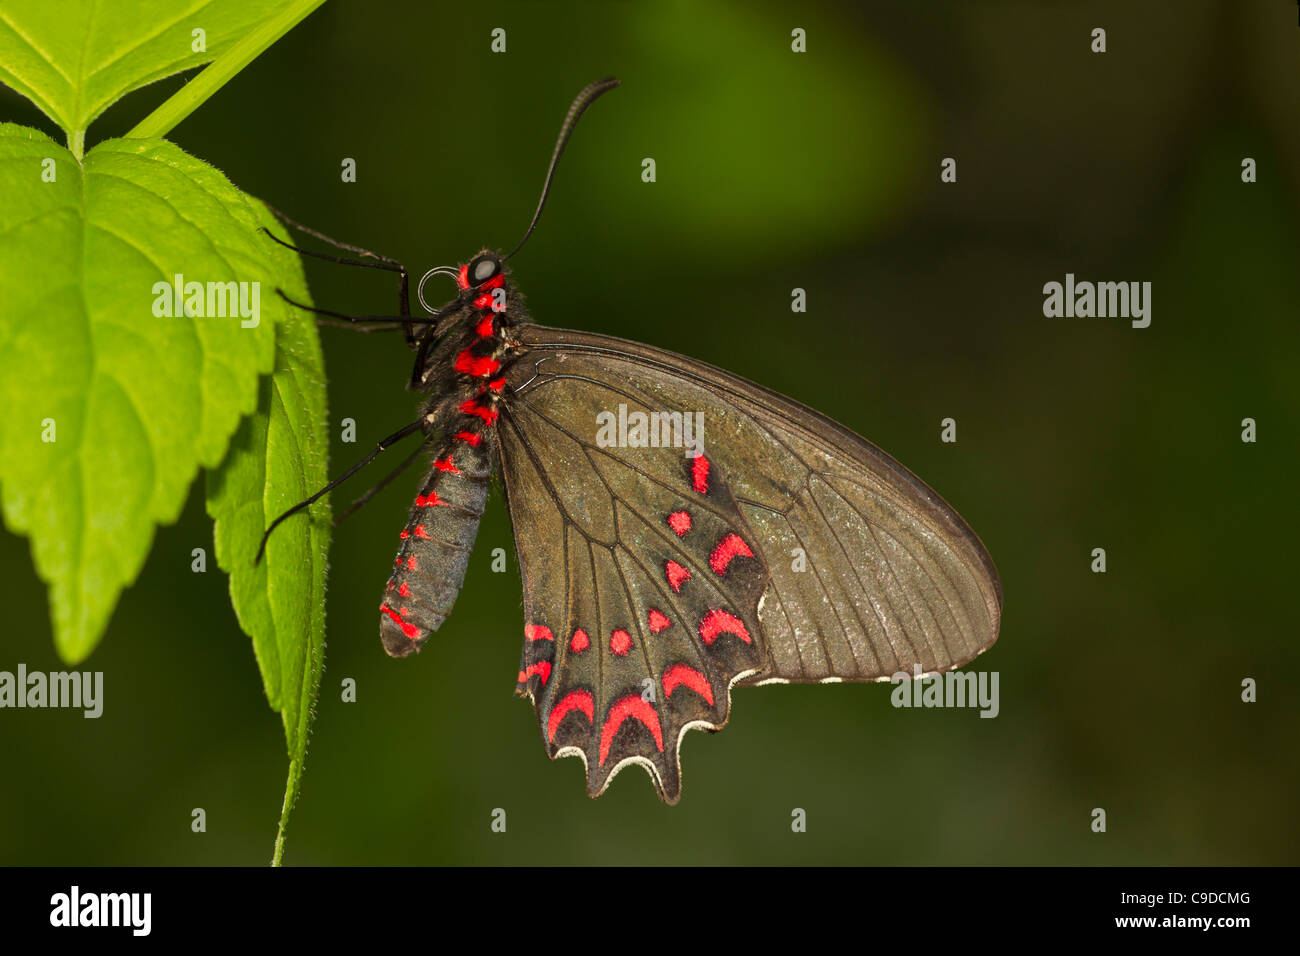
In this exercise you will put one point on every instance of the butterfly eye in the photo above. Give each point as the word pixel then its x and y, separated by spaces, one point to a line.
pixel 483 269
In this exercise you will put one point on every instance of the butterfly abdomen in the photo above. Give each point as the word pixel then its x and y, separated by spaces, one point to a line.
pixel 465 375
pixel 436 545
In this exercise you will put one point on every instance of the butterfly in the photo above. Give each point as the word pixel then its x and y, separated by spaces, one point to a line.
pixel 680 531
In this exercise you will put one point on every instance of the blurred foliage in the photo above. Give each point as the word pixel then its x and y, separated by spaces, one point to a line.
pixel 775 170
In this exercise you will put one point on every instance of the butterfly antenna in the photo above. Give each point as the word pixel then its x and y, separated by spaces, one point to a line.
pixel 588 96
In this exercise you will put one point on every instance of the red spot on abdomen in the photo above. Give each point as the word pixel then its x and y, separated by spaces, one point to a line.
pixel 677 575
pixel 718 622
pixel 579 700
pixel 680 522
pixel 579 642
pixel 620 642
pixel 484 327
pixel 630 706
pixel 409 629
pixel 681 675
pixel 472 407
pixel 732 546
pixel 700 474
pixel 658 621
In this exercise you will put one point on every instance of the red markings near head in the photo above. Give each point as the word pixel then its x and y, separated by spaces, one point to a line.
pixel 538 632
pixel 620 642
pixel 658 621
pixel 429 500
pixel 462 279
pixel 732 546
pixel 680 675
pixel 409 629
pixel 630 706
pixel 680 522
pixel 467 363
pixel 700 474
pixel 472 407
pixel 579 642
pixel 718 622
pixel 579 700
pixel 677 575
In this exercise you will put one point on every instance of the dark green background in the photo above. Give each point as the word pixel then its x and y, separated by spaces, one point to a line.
pixel 775 170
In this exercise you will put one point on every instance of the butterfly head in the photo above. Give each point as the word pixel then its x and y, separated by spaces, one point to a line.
pixel 480 270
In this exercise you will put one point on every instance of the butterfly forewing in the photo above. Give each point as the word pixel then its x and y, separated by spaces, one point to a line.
pixel 791 549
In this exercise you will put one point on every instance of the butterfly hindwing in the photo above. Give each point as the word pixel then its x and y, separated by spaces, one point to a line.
pixel 635 630
pixel 790 550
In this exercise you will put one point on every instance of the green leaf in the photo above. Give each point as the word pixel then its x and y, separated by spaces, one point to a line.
pixel 75 58
pixel 276 460
pixel 136 401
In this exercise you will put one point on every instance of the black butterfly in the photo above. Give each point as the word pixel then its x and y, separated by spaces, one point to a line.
pixel 788 550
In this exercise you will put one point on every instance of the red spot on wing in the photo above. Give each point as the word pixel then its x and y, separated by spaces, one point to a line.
pixel 579 700
pixel 405 534
pixel 658 621
pixel 429 500
pixel 469 438
pixel 579 642
pixel 409 629
pixel 677 575
pixel 620 642
pixel 468 363
pixel 538 632
pixel 630 706
pixel 718 622
pixel 446 464
pixel 700 474
pixel 542 669
pixel 404 590
pixel 420 532
pixel 732 546
pixel 681 675
pixel 680 522
pixel 471 407
pixel 412 564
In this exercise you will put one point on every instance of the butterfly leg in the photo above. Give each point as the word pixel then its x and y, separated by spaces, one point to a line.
pixel 385 443
pixel 379 262
pixel 384 483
